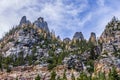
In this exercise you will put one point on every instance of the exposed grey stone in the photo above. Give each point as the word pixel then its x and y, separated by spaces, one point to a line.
pixel 78 36
pixel 92 37
pixel 24 21
pixel 66 40
pixel 42 24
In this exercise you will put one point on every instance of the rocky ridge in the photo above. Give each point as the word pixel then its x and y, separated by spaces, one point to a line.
pixel 33 44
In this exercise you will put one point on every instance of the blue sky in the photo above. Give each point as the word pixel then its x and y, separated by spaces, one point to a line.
pixel 65 17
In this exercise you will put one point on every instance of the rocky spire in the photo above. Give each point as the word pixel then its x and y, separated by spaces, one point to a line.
pixel 92 37
pixel 114 19
pixel 24 21
pixel 42 24
pixel 40 19
pixel 66 40
pixel 78 35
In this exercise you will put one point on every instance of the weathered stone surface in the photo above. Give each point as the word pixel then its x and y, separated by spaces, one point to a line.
pixel 93 37
pixel 78 36
pixel 66 40
pixel 73 62
pixel 24 21
pixel 42 24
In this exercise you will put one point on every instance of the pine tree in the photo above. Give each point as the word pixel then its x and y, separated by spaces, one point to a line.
pixel 53 75
pixel 83 76
pixel 37 77
pixel 72 77
pixel 113 75
pixel 1 61
pixel 58 78
pixel 64 75
pixel 16 78
pixel 101 76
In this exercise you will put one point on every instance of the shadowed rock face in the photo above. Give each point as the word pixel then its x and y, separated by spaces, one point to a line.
pixel 93 37
pixel 78 35
pixel 24 21
pixel 42 24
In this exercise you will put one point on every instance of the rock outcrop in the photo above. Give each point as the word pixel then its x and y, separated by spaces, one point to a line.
pixel 93 38
pixel 39 23
pixel 78 36
pixel 42 24
pixel 112 31
pixel 73 62
pixel 22 39
pixel 24 21
pixel 111 36
pixel 66 40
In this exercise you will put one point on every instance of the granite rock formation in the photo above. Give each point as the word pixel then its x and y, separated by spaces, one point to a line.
pixel 78 36
pixel 42 24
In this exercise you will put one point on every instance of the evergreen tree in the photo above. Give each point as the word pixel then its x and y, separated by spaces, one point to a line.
pixel 83 76
pixel 113 75
pixel 1 61
pixel 64 75
pixel 53 75
pixel 101 76
pixel 17 78
pixel 58 78
pixel 72 77
pixel 37 77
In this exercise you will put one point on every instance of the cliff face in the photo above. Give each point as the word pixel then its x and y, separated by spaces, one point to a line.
pixel 110 43
pixel 26 38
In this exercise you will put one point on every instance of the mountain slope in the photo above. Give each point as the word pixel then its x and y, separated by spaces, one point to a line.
pixel 31 46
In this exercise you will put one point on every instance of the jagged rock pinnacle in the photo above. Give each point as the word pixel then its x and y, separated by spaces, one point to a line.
pixel 66 40
pixel 39 23
pixel 93 37
pixel 42 24
pixel 24 21
pixel 78 35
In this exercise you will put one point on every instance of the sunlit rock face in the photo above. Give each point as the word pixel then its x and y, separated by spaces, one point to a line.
pixel 92 37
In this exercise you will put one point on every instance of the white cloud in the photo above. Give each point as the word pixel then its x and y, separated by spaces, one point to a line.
pixel 104 14
pixel 64 16
pixel 9 13
pixel 58 15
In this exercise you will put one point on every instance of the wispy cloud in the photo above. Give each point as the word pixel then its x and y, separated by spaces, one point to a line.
pixel 104 14
pixel 64 16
